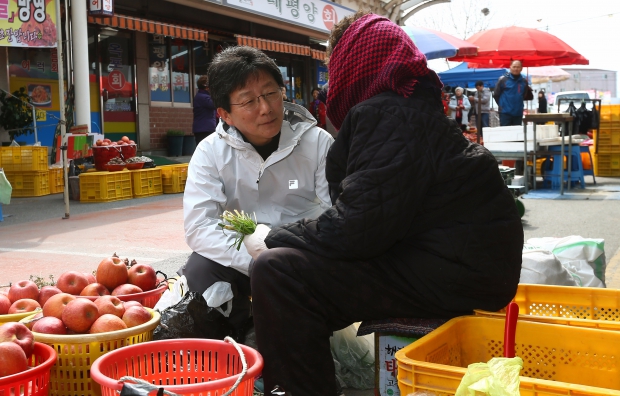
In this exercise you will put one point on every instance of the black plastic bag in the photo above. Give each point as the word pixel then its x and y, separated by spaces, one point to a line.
pixel 191 318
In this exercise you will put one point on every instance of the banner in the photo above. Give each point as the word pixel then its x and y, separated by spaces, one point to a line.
pixel 28 23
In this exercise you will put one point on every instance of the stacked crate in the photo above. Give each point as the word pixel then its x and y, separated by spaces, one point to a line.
pixel 26 168
pixel 607 140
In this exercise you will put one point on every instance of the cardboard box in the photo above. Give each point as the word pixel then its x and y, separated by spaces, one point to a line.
pixel 78 146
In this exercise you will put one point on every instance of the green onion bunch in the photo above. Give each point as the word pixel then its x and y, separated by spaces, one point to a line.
pixel 241 223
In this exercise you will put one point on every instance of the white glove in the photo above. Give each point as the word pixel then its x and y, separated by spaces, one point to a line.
pixel 255 243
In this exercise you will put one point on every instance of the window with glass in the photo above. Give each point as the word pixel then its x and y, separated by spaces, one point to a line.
pixel 179 51
pixel 159 69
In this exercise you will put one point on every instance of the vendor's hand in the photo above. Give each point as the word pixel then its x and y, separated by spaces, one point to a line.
pixel 255 243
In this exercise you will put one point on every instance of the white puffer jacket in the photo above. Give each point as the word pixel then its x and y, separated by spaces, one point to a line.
pixel 226 173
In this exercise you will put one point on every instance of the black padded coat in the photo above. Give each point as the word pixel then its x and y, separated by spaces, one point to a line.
pixel 410 193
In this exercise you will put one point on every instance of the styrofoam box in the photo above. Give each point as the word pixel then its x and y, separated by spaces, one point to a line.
pixel 507 146
pixel 515 133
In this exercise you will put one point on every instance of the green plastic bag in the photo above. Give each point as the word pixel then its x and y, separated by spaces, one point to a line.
pixel 5 189
pixel 497 377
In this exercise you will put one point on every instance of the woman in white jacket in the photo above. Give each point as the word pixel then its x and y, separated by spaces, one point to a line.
pixel 459 108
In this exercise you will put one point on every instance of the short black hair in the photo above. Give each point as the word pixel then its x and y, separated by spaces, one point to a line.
pixel 232 68
pixel 479 83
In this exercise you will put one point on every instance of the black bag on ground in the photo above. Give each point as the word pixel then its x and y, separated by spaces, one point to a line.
pixel 191 318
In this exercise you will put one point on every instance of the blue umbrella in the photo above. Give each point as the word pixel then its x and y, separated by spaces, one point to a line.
pixel 436 44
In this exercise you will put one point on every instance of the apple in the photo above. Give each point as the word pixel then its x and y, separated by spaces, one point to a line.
pixel 56 304
pixel 126 288
pixel 24 305
pixel 112 272
pixel 107 140
pixel 34 319
pixel 131 142
pixel 19 334
pixel 95 289
pixel 143 276
pixel 13 360
pixel 90 277
pixel 49 325
pixel 5 304
pixel 132 303
pixel 72 282
pixel 23 289
pixel 46 292
pixel 98 142
pixel 135 316
pixel 80 314
pixel 110 305
pixel 125 139
pixel 106 323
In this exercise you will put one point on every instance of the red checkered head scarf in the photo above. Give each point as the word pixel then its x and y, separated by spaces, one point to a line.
pixel 374 55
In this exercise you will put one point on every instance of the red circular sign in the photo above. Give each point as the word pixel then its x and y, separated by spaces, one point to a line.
pixel 330 18
pixel 116 80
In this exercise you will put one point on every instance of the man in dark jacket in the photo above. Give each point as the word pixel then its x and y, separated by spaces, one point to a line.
pixel 422 224
pixel 205 116
pixel 509 94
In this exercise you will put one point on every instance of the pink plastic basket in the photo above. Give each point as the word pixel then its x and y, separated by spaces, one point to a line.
pixel 34 381
pixel 188 366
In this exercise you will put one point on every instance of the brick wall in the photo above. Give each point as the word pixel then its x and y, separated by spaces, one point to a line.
pixel 163 118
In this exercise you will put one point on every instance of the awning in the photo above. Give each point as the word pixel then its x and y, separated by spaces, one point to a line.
pixel 271 45
pixel 144 25
pixel 319 55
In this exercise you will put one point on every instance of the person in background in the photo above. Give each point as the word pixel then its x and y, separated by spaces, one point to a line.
pixel 459 106
pixel 509 94
pixel 205 118
pixel 317 109
pixel 266 158
pixel 542 102
pixel 421 225
pixel 284 97
pixel 485 104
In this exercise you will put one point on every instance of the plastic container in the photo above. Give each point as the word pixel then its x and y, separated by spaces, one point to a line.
pixel 14 317
pixel 29 184
pixel 592 307
pixel 182 366
pixel 34 381
pixel 56 180
pixel 105 186
pixel 174 178
pixel 103 154
pixel 70 376
pixel 607 140
pixel 146 182
pixel 23 158
pixel 147 299
pixel 134 165
pixel 557 360
pixel 114 167
pixel 606 164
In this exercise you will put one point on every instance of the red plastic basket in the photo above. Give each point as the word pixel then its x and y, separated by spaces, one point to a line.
pixel 188 366
pixel 147 299
pixel 36 380
pixel 103 154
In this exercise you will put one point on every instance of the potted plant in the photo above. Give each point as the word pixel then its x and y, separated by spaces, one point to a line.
pixel 15 114
pixel 175 142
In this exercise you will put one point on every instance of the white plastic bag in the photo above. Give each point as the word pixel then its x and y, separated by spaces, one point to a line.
pixel 172 296
pixel 355 358
pixel 577 252
pixel 5 189
pixel 218 294
pixel 543 268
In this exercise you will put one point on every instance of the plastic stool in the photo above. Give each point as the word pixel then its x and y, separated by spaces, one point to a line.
pixel 553 175
pixel 588 172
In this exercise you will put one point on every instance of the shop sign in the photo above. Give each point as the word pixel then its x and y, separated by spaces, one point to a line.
pixel 28 23
pixel 116 79
pixel 315 14
pixel 322 74
pixel 101 7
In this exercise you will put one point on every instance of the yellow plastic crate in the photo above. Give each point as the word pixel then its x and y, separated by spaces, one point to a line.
pixel 608 140
pixel 56 180
pixel 70 376
pixel 29 184
pixel 105 186
pixel 610 113
pixel 23 158
pixel 606 164
pixel 146 182
pixel 557 360
pixel 174 177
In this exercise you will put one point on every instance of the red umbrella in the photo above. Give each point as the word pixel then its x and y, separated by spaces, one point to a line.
pixel 499 47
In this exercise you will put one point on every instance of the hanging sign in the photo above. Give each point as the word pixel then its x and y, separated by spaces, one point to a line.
pixel 28 23
pixel 100 7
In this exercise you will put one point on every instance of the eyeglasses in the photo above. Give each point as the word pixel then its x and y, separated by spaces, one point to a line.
pixel 252 104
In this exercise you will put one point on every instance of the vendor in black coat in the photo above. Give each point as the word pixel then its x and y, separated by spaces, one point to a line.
pixel 422 224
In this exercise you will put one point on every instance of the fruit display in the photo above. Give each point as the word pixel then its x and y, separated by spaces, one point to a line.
pixel 107 142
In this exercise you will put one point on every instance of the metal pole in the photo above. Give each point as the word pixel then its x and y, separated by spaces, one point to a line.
pixel 34 123
pixel 61 89
pixel 479 115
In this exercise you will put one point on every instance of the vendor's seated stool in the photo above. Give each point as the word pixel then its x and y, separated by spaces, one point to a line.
pixel 551 172
pixel 392 335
